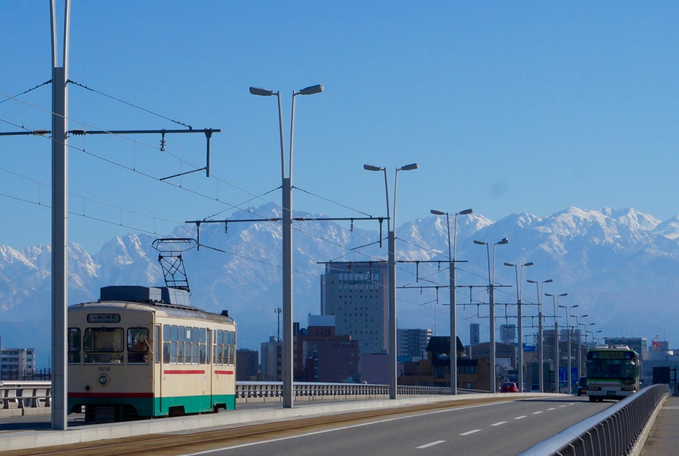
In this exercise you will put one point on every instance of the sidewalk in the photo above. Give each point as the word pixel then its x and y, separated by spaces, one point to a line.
pixel 664 437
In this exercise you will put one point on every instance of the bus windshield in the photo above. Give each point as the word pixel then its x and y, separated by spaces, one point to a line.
pixel 611 368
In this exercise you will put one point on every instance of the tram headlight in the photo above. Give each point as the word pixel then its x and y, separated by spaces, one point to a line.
pixel 103 380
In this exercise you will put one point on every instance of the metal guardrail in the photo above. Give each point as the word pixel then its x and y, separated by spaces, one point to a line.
pixel 35 394
pixel 612 432
pixel 251 390
pixel 24 394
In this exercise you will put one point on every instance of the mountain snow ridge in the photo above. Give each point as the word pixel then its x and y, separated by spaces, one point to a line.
pixel 612 263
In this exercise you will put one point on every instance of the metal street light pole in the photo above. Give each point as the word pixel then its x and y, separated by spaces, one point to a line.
pixel 579 356
pixel 557 352
pixel 568 326
pixel 491 291
pixel 453 296
pixel 541 354
pixel 287 365
pixel 519 295
pixel 391 227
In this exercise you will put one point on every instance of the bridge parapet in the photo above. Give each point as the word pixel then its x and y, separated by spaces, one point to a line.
pixel 615 431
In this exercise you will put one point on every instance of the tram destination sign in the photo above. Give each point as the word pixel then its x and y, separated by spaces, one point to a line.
pixel 103 318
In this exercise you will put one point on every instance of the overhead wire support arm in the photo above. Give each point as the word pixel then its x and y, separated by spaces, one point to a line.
pixel 298 219
pixel 207 131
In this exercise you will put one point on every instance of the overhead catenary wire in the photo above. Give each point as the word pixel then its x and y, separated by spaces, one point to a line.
pixel 145 174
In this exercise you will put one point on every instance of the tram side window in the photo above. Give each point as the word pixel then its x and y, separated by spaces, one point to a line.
pixel 103 345
pixel 195 342
pixel 74 343
pixel 203 353
pixel 181 333
pixel 166 344
pixel 156 345
pixel 188 351
pixel 137 345
pixel 173 346
pixel 218 354
pixel 233 347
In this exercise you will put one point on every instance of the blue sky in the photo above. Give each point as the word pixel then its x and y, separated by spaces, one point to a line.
pixel 506 106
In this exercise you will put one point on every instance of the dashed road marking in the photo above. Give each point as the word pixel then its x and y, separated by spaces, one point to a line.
pixel 537 413
pixel 430 444
pixel 499 423
pixel 471 432
pixel 520 417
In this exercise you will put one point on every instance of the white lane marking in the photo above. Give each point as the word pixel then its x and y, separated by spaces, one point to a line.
pixel 562 406
pixel 537 413
pixel 343 428
pixel 520 417
pixel 552 408
pixel 572 403
pixel 430 444
pixel 471 432
pixel 498 423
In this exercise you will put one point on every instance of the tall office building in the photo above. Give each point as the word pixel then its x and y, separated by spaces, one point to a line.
pixel 357 294
pixel 412 343
pixel 474 334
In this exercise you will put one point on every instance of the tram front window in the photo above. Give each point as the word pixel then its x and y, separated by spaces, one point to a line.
pixel 103 345
pixel 138 345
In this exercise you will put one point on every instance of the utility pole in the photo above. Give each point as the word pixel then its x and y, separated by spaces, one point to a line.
pixel 59 407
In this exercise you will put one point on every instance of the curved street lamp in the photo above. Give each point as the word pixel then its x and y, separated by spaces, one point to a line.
pixel 393 354
pixel 287 367
pixel 491 292
pixel 453 297
pixel 541 354
pixel 519 296
pixel 557 351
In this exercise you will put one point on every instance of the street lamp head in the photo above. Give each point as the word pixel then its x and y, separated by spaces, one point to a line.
pixel 548 281
pixel 511 265
pixel 261 92
pixel 531 281
pixel 466 212
pixel 372 168
pixel 530 263
pixel 503 241
pixel 590 324
pixel 549 294
pixel 563 307
pixel 564 294
pixel 409 167
pixel 311 90
pixel 435 212
pixel 574 306
pixel 583 316
pixel 480 242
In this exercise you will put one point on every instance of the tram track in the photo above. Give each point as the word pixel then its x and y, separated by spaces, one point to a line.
pixel 174 443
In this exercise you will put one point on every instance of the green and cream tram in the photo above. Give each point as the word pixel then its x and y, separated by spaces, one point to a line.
pixel 142 352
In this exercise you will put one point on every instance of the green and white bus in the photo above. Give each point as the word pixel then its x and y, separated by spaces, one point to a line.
pixel 612 372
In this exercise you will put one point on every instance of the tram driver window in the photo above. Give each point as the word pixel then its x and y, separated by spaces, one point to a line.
pixel 138 345
pixel 103 345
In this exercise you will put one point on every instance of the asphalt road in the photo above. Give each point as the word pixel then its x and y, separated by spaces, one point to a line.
pixel 505 428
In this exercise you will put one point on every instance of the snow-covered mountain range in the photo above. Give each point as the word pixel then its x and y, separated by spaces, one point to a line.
pixel 619 266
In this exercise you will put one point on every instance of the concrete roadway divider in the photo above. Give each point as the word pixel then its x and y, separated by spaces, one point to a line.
pixel 233 418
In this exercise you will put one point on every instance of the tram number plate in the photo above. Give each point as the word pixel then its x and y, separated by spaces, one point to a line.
pixel 610 393
pixel 103 369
